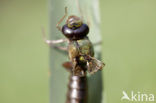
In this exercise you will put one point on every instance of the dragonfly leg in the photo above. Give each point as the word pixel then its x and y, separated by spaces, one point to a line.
pixel 53 43
pixel 98 43
pixel 57 25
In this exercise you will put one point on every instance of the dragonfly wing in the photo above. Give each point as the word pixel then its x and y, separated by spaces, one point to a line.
pixel 68 66
pixel 78 71
pixel 75 70
pixel 94 65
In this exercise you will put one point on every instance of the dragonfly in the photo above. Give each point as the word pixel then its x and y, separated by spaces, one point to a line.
pixel 80 48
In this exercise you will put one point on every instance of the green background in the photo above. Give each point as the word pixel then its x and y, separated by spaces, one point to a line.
pixel 129 48
pixel 128 33
pixel 23 55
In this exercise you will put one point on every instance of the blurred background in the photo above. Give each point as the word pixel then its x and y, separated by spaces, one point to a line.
pixel 128 30
pixel 128 34
pixel 23 55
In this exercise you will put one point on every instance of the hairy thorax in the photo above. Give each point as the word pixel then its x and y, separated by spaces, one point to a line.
pixel 80 47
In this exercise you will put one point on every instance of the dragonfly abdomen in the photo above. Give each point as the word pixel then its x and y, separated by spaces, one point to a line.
pixel 77 89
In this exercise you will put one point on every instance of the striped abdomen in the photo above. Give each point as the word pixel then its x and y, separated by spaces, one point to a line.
pixel 77 90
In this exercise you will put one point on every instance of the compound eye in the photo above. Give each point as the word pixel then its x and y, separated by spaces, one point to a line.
pixel 75 34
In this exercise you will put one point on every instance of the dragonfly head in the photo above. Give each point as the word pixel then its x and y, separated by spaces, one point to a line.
pixel 75 29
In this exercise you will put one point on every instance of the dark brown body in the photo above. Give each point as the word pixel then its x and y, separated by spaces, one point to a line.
pixel 77 89
pixel 80 50
pixel 77 86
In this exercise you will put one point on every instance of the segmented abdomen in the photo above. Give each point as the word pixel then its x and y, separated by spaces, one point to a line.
pixel 77 90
